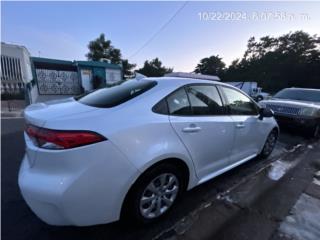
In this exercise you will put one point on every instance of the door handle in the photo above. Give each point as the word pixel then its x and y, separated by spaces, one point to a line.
pixel 240 125
pixel 191 129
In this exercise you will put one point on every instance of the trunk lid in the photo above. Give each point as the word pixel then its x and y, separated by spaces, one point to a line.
pixel 38 114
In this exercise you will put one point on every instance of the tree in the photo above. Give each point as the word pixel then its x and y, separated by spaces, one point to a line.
pixel 100 49
pixel 211 66
pixel 290 60
pixel 154 68
pixel 127 68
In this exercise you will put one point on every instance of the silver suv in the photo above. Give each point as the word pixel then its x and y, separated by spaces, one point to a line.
pixel 297 107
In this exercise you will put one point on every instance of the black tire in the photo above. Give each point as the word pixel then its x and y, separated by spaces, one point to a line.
pixel 314 132
pixel 259 98
pixel 131 210
pixel 269 144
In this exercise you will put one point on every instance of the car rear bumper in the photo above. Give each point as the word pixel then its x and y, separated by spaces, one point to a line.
pixel 82 186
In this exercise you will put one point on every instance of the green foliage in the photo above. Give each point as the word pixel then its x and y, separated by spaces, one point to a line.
pixel 291 60
pixel 127 68
pixel 211 66
pixel 154 68
pixel 101 48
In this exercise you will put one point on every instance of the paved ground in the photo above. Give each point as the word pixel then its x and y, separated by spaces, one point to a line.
pixel 254 208
pixel 18 222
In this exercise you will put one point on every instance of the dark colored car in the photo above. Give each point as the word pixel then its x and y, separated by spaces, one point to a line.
pixel 298 108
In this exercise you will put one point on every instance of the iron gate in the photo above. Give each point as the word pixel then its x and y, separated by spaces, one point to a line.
pixel 58 82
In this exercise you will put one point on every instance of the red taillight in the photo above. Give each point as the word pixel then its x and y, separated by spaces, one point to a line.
pixel 59 139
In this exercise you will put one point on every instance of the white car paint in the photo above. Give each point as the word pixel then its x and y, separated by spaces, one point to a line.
pixel 87 185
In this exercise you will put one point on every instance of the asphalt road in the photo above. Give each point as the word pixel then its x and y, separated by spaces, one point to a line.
pixel 18 222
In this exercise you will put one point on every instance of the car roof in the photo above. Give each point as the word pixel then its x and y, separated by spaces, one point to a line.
pixel 173 83
pixel 303 89
pixel 180 81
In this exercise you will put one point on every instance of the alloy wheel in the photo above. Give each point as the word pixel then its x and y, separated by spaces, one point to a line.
pixel 270 143
pixel 316 132
pixel 159 195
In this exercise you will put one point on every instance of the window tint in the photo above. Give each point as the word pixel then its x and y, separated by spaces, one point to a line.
pixel 178 103
pixel 205 100
pixel 161 107
pixel 238 103
pixel 111 97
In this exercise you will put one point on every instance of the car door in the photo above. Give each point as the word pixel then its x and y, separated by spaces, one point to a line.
pixel 198 117
pixel 248 128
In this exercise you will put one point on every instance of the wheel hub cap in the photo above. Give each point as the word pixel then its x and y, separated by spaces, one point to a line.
pixel 270 143
pixel 159 195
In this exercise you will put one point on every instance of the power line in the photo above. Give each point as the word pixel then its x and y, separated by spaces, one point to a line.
pixel 160 29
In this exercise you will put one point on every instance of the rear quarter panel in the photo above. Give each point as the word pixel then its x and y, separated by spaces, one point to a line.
pixel 149 138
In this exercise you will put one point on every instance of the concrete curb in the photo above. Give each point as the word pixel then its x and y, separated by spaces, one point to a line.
pixel 17 114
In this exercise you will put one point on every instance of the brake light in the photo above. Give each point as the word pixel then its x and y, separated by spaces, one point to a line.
pixel 59 139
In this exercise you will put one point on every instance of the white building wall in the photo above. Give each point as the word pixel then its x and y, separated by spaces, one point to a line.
pixel 33 94
pixel 16 72
pixel 15 63
pixel 113 76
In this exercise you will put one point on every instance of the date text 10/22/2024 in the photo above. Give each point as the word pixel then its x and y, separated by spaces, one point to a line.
pixel 252 16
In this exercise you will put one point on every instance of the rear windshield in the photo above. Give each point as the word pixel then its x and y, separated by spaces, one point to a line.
pixel 111 97
pixel 299 94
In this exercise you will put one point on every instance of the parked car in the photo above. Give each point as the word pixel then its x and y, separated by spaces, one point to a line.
pixel 297 107
pixel 131 150
pixel 252 89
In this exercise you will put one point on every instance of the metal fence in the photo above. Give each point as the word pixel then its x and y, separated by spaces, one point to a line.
pixel 10 69
pixel 12 87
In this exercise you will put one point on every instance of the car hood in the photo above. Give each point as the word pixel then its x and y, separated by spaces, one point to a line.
pixel 38 114
pixel 293 103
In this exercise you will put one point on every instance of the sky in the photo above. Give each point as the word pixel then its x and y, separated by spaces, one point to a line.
pixel 62 30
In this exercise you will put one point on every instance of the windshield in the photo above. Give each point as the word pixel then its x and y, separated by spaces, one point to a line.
pixel 111 97
pixel 299 94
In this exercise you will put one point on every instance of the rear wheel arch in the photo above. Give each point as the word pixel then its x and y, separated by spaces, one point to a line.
pixel 177 163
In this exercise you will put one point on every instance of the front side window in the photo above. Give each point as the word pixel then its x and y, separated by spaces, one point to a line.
pixel 178 103
pixel 205 100
pixel 111 97
pixel 238 103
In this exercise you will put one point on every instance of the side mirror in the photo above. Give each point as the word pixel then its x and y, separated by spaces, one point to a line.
pixel 265 112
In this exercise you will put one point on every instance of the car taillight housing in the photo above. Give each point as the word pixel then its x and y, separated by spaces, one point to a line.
pixel 60 139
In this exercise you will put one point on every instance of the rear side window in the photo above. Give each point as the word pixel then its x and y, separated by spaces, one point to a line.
pixel 178 103
pixel 111 97
pixel 161 107
pixel 205 100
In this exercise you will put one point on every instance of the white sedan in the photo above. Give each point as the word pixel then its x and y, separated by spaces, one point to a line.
pixel 131 150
